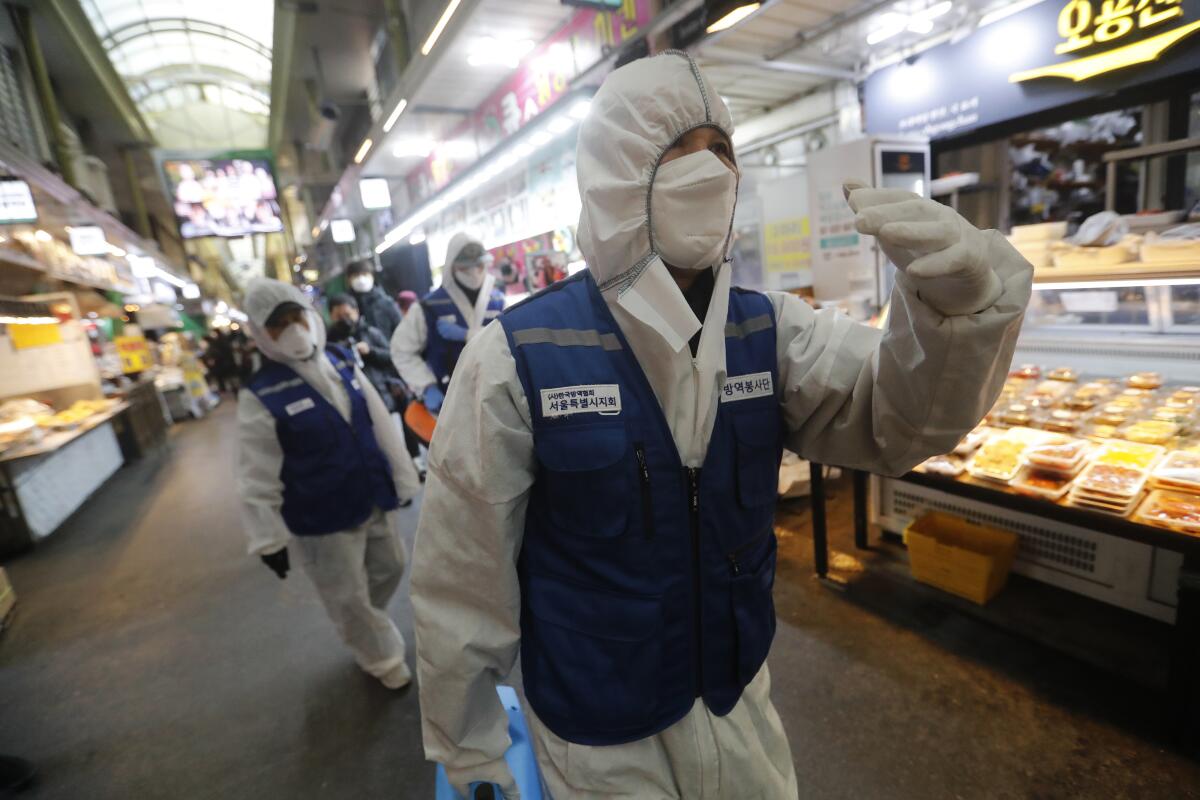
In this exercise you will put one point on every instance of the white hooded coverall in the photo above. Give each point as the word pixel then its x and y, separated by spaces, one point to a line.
pixel 357 571
pixel 878 400
pixel 408 342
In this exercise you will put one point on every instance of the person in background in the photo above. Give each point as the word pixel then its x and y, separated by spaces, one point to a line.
pixel 606 465
pixel 221 361
pixel 406 299
pixel 427 344
pixel 371 351
pixel 321 467
pixel 379 310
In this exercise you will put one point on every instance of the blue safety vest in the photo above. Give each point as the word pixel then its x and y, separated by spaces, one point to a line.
pixel 644 584
pixel 334 474
pixel 442 355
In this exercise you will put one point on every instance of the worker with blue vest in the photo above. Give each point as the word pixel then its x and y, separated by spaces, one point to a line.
pixel 603 477
pixel 322 467
pixel 429 340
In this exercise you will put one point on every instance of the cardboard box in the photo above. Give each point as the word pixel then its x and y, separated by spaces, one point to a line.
pixel 8 597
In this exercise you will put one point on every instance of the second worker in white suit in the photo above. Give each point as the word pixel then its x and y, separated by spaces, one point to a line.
pixel 602 482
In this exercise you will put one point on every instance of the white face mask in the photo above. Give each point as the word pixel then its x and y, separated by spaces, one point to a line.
pixel 297 342
pixel 362 283
pixel 691 210
pixel 470 277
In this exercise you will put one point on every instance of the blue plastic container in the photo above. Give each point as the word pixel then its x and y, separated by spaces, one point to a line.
pixel 520 758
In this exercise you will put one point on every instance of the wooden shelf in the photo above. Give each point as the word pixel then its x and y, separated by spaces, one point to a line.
pixel 1122 273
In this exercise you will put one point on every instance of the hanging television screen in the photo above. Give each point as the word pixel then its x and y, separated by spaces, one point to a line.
pixel 223 196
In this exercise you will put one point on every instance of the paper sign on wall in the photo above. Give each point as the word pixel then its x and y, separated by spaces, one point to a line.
pixel 134 353
pixel 24 337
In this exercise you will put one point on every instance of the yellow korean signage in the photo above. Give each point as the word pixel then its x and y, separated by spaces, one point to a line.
pixel 134 353
pixel 1110 35
pixel 787 245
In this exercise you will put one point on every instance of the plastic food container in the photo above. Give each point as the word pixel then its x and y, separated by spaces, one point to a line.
pixel 1063 374
pixel 1129 454
pixel 961 557
pixel 971 442
pixel 1145 380
pixel 1179 470
pixel 949 465
pixel 1064 457
pixel 1151 431
pixel 1039 232
pixel 1111 482
pixel 1042 483
pixel 1174 510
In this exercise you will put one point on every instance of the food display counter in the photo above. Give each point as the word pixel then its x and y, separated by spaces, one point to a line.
pixel 45 479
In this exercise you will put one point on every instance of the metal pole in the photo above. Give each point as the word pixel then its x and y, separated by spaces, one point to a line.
pixel 141 215
pixel 45 91
pixel 820 533
pixel 860 509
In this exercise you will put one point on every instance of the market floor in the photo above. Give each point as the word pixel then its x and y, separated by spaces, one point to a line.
pixel 150 658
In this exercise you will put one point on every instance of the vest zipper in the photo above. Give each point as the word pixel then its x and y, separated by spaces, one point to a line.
pixel 693 474
pixel 647 496
pixel 732 556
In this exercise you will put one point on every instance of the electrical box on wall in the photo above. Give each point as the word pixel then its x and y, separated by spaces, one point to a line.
pixel 849 268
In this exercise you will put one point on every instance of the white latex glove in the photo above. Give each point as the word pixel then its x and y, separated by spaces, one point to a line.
pixel 943 255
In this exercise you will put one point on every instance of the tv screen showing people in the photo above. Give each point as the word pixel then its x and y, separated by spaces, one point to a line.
pixel 223 197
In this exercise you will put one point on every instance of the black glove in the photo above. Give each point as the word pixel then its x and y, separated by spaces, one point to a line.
pixel 278 563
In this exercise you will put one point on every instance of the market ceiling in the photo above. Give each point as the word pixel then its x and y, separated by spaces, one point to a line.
pixel 199 72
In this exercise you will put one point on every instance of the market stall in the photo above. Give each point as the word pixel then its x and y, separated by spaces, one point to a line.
pixel 58 432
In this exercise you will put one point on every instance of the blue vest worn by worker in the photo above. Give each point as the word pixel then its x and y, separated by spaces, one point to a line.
pixel 442 355
pixel 334 474
pixel 644 584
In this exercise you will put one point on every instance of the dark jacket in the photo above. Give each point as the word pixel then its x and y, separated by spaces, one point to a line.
pixel 377 363
pixel 379 310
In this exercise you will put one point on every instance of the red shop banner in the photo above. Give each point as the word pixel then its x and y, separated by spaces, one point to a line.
pixel 543 78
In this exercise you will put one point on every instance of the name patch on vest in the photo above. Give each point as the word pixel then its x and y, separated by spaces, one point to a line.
pixel 747 387
pixel 295 408
pixel 603 398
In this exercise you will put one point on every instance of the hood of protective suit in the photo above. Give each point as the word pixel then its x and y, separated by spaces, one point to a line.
pixel 457 242
pixel 637 115
pixel 264 295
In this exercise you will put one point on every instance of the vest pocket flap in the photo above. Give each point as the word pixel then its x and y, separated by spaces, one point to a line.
pixel 757 429
pixel 581 449
pixel 620 618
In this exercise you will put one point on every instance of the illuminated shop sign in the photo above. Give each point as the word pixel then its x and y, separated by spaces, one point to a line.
pixel 1122 33
pixel 1052 55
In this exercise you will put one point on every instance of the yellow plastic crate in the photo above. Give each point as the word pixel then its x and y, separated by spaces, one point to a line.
pixel 960 557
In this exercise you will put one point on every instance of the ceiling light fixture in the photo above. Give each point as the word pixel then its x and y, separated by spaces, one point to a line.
pixel 395 115
pixel 890 24
pixel 451 7
pixel 416 238
pixel 1006 10
pixel 363 149
pixel 733 17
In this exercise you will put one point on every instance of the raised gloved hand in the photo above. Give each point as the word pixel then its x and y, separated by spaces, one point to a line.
pixel 451 331
pixel 278 562
pixel 943 255
pixel 433 398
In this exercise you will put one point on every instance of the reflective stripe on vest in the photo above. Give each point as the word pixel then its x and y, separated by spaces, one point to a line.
pixel 334 473
pixel 644 585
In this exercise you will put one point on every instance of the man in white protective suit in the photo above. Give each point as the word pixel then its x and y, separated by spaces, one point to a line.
pixel 602 481
pixel 322 466
pixel 429 340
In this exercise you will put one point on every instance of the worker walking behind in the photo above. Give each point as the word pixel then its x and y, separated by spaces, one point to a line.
pixel 321 466
pixel 376 307
pixel 432 335
pixel 605 466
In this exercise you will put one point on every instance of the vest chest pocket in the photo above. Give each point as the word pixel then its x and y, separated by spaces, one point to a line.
pixel 588 478
pixel 757 434
pixel 307 431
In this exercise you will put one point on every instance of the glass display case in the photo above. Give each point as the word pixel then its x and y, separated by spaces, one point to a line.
pixel 1170 307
